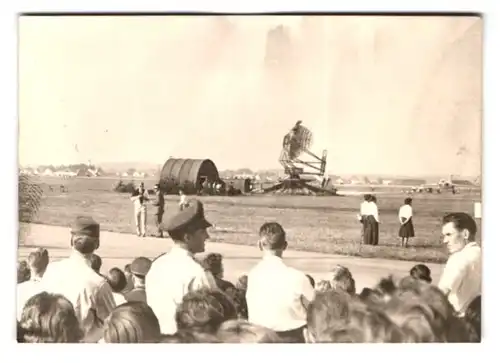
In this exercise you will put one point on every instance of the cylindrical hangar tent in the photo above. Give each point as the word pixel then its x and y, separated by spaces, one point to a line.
pixel 188 174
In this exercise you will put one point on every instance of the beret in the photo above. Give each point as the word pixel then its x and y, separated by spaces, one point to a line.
pixel 192 217
pixel 140 266
pixel 85 226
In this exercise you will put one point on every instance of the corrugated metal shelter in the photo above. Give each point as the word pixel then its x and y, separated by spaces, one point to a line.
pixel 187 174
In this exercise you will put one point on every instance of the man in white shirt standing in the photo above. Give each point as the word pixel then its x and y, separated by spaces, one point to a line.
pixel 139 198
pixel 174 274
pixel 461 278
pixel 278 295
pixel 73 278
pixel 38 261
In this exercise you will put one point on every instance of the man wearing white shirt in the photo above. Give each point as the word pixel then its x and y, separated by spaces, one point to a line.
pixel 140 197
pixel 461 278
pixel 174 274
pixel 278 295
pixel 73 278
pixel 38 261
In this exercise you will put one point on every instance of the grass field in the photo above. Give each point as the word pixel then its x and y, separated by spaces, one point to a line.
pixel 320 224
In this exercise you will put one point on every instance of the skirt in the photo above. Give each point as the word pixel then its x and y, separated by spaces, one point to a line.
pixel 370 230
pixel 407 230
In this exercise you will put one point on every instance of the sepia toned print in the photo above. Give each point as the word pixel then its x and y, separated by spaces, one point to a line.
pixel 249 179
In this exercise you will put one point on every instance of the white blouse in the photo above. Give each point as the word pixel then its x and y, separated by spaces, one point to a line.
pixel 405 211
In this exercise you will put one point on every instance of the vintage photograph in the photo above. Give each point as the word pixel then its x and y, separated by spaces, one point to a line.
pixel 309 178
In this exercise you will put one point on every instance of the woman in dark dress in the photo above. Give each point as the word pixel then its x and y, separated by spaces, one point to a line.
pixel 370 221
pixel 406 231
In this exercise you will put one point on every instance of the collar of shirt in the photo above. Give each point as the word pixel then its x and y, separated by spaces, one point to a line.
pixel 181 252
pixel 470 245
pixel 268 258
pixel 79 258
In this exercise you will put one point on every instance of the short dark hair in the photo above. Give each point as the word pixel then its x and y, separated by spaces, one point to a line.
pixel 213 263
pixel 421 272
pixel 408 201
pixel 204 311
pixel 38 260
pixel 274 235
pixel 95 262
pixel 117 279
pixel 462 221
pixel 84 244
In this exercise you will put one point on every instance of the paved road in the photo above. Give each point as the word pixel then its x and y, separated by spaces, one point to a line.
pixel 118 249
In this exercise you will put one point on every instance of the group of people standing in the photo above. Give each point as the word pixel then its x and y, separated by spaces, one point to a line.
pixel 140 197
pixel 369 218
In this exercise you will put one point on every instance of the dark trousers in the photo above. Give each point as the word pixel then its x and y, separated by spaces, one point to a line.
pixel 158 220
pixel 370 230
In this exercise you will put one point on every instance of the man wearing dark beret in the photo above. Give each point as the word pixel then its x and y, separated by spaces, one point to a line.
pixel 174 274
pixel 139 269
pixel 74 278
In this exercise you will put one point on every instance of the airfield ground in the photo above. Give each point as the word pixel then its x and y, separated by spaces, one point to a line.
pixel 316 224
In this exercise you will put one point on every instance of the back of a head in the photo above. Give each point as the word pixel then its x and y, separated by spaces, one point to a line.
pixel 38 260
pixel 23 272
pixel 325 310
pixel 132 322
pixel 116 279
pixel 423 310
pixel 213 263
pixel 366 324
pixel 421 272
pixel 323 286
pixel 95 262
pixel 241 331
pixel 342 279
pixel 84 244
pixel 242 282
pixel 204 310
pixel 272 236
pixel 49 318
pixel 386 287
pixel 338 317
pixel 238 297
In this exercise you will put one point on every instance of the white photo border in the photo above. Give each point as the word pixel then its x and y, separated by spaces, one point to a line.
pixel 410 353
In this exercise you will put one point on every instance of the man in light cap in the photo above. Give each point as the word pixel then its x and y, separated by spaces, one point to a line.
pixel 174 274
pixel 73 278
pixel 139 269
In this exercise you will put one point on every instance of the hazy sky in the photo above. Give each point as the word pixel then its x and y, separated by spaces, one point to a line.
pixel 382 94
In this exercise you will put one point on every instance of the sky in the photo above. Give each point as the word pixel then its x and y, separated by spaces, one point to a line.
pixel 382 94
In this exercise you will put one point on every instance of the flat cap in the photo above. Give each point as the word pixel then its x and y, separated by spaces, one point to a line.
pixel 140 266
pixel 86 226
pixel 192 217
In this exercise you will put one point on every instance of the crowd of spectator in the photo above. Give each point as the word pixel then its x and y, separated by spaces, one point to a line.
pixel 177 298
